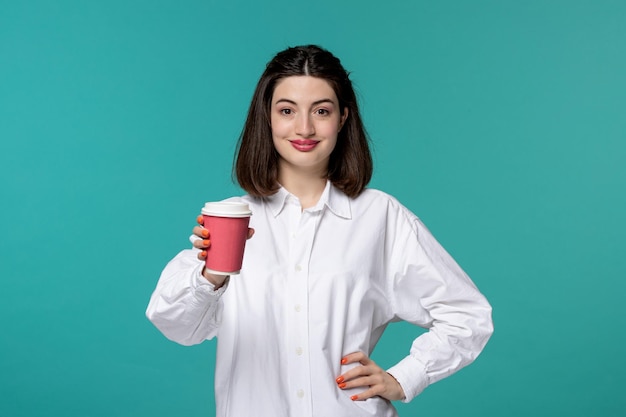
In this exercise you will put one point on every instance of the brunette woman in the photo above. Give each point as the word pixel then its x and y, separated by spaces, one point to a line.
pixel 329 264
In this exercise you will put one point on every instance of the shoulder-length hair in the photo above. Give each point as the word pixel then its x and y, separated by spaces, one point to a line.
pixel 256 165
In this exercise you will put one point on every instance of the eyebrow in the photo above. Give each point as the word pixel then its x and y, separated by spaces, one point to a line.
pixel 315 103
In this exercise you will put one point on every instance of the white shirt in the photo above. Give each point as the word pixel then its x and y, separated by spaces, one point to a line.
pixel 315 286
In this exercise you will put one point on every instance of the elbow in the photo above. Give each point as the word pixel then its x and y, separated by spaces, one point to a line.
pixel 484 331
pixel 174 330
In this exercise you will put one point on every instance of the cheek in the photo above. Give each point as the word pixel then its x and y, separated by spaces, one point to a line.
pixel 279 127
pixel 330 130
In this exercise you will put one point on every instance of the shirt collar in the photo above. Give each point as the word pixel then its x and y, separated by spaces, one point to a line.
pixel 337 202
pixel 333 198
pixel 276 201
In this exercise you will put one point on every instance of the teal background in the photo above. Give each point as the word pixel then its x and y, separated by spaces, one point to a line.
pixel 500 123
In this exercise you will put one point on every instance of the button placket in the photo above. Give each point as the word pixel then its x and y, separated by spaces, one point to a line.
pixel 298 321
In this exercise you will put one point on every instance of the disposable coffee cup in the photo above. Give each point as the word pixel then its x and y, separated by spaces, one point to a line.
pixel 228 227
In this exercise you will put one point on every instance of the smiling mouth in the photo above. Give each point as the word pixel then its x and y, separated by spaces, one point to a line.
pixel 304 145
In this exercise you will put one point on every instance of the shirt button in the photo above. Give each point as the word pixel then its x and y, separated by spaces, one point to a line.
pixel 299 351
pixel 300 393
pixel 298 268
pixel 298 308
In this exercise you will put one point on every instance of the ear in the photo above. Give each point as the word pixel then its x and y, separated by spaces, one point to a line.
pixel 344 117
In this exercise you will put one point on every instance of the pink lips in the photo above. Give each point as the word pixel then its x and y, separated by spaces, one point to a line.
pixel 304 145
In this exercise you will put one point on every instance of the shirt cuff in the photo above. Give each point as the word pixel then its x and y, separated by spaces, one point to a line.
pixel 411 375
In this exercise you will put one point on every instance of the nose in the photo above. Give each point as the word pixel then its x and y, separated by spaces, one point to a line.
pixel 304 125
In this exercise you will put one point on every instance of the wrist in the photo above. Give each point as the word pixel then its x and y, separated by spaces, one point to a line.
pixel 217 280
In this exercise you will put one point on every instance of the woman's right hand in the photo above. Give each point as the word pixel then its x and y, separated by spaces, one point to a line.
pixel 203 244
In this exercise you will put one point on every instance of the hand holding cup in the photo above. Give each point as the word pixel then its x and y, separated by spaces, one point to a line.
pixel 222 232
pixel 204 242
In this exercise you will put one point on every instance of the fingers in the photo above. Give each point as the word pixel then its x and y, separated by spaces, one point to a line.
pixel 201 232
pixel 203 243
pixel 360 376
pixel 370 376
pixel 374 383
pixel 356 357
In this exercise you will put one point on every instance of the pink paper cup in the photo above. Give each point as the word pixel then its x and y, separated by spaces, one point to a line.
pixel 228 225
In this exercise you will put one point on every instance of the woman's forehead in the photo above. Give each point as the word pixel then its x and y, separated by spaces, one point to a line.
pixel 303 88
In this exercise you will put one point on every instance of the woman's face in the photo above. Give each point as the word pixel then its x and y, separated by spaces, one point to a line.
pixel 305 122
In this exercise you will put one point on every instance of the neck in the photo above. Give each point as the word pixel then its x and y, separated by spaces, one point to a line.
pixel 308 186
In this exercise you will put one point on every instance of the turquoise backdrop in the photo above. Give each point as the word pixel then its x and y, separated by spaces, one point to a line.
pixel 500 123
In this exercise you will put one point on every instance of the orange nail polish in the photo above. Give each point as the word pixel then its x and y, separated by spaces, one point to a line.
pixel 200 219
pixel 342 385
pixel 206 242
pixel 339 380
pixel 205 233
pixel 354 397
pixel 344 361
pixel 203 253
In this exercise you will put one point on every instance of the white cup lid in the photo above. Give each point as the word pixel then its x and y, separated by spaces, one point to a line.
pixel 226 209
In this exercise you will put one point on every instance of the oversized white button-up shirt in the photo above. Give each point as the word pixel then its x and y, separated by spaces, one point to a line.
pixel 315 285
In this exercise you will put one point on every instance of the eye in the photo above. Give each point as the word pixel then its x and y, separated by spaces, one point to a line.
pixel 322 112
pixel 286 112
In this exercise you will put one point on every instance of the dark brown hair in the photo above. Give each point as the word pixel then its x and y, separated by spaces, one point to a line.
pixel 256 165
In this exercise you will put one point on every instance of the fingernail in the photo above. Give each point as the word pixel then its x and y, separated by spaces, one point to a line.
pixel 344 361
pixel 342 385
pixel 340 379
pixel 354 397
pixel 200 219
pixel 203 253
pixel 205 233
pixel 206 242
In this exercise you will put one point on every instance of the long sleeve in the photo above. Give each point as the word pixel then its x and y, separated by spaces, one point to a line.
pixel 429 289
pixel 316 285
pixel 185 307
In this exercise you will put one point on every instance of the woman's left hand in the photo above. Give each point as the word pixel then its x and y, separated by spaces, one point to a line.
pixel 370 375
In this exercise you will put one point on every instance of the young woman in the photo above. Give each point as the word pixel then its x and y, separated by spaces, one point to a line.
pixel 329 264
